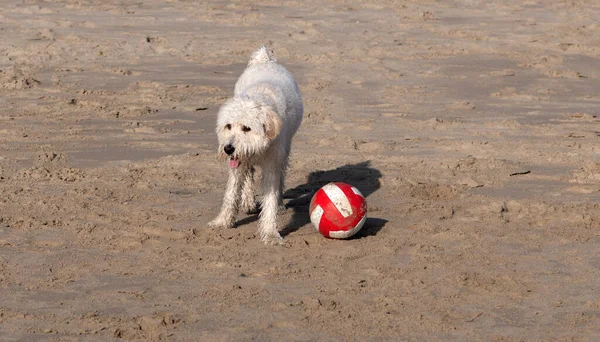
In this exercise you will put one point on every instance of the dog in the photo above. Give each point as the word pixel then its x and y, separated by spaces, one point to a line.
pixel 255 129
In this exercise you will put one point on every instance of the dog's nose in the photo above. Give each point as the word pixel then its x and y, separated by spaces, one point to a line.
pixel 229 149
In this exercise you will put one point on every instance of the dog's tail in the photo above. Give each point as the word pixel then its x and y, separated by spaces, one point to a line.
pixel 262 55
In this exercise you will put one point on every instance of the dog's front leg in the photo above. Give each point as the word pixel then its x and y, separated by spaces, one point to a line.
pixel 231 199
pixel 267 229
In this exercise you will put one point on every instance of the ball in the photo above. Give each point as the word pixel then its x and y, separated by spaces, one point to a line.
pixel 338 210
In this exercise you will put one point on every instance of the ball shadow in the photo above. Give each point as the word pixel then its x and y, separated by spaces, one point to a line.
pixel 361 175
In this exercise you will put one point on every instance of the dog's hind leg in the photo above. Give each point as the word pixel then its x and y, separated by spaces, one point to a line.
pixel 283 174
pixel 231 200
pixel 248 204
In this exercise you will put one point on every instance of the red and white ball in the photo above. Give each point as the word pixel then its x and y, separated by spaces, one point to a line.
pixel 338 210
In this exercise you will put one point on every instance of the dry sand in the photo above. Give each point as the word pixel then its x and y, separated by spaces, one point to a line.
pixel 472 126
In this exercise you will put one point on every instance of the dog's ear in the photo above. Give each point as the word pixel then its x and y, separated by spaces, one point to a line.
pixel 272 125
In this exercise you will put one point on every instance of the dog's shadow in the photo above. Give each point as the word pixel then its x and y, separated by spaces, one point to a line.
pixel 362 176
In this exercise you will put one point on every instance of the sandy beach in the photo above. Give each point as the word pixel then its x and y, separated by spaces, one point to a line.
pixel 472 128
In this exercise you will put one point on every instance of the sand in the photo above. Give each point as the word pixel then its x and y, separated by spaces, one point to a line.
pixel 471 126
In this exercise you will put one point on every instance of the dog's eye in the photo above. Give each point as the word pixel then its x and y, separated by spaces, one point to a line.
pixel 228 126
pixel 246 129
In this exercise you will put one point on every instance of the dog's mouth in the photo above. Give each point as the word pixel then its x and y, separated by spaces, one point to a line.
pixel 234 163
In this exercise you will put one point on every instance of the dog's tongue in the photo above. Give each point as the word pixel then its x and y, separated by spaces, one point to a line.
pixel 234 163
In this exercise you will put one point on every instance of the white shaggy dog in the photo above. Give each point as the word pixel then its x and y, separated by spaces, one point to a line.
pixel 255 128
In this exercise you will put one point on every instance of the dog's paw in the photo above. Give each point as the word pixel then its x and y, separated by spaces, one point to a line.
pixel 276 241
pixel 218 223
pixel 273 239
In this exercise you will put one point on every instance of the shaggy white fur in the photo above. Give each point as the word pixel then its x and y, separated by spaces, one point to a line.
pixel 255 129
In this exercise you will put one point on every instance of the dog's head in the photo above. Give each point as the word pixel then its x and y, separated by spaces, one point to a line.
pixel 245 129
